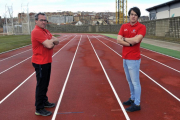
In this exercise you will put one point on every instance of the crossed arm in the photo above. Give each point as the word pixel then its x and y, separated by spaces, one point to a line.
pixel 129 41
pixel 51 43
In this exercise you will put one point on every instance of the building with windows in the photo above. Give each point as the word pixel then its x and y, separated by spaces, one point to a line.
pixel 165 10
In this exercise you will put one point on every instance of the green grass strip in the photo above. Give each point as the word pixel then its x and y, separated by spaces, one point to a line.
pixel 10 42
pixel 15 41
pixel 165 51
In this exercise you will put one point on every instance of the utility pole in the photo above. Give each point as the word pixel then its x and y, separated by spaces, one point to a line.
pixel 25 19
pixel 9 19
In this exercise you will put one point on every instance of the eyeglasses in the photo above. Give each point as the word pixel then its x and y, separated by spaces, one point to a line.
pixel 43 20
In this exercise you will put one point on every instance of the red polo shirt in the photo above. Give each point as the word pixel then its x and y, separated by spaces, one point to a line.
pixel 128 31
pixel 41 54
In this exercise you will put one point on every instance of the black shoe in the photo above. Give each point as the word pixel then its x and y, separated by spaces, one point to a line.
pixel 49 105
pixel 133 108
pixel 129 102
pixel 43 112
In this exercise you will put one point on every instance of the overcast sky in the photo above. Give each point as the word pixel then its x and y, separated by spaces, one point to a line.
pixel 72 5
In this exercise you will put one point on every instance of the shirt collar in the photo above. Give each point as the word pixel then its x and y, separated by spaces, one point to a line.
pixel 37 27
pixel 134 24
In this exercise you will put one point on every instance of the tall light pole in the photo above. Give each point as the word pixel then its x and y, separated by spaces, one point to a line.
pixel 121 11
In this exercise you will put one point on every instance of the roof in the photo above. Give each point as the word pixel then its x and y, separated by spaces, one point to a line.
pixel 162 5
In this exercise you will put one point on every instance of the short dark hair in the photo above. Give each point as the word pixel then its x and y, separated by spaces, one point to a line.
pixel 136 10
pixel 40 13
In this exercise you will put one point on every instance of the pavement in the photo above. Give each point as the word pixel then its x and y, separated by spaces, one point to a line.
pixel 160 43
pixel 163 44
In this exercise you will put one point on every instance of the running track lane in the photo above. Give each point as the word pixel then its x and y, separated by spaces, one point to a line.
pixel 164 106
pixel 87 94
pixel 27 90
pixel 170 80
pixel 164 59
pixel 16 99
pixel 8 77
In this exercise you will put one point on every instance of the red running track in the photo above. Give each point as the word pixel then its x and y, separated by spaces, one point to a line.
pixel 88 82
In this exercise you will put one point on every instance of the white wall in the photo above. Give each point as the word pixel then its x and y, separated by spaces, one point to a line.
pixel 167 11
pixel 175 9
pixel 162 12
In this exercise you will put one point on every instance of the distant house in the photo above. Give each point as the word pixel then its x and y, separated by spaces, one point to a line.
pixel 99 22
pixel 165 10
pixel 79 23
pixel 76 18
pixel 57 19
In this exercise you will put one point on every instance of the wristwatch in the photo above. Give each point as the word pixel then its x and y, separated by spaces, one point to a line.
pixel 126 41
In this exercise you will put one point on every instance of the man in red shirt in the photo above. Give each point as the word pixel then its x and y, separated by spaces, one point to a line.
pixel 42 46
pixel 130 36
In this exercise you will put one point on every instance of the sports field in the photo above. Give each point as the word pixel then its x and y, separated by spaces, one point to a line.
pixel 88 82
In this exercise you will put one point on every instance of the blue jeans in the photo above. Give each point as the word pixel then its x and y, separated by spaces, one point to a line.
pixel 131 68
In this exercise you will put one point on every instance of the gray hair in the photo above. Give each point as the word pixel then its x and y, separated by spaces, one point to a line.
pixel 40 13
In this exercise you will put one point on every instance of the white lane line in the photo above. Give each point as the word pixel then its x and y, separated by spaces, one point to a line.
pixel 14 55
pixel 15 65
pixel 25 51
pixel 148 50
pixel 62 47
pixel 161 63
pixel 118 99
pixel 28 78
pixel 16 88
pixel 65 38
pixel 160 86
pixel 22 62
pixel 151 59
pixel 160 53
pixel 64 86
pixel 145 74
pixel 15 49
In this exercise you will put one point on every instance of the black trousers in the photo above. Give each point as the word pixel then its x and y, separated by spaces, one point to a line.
pixel 43 73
